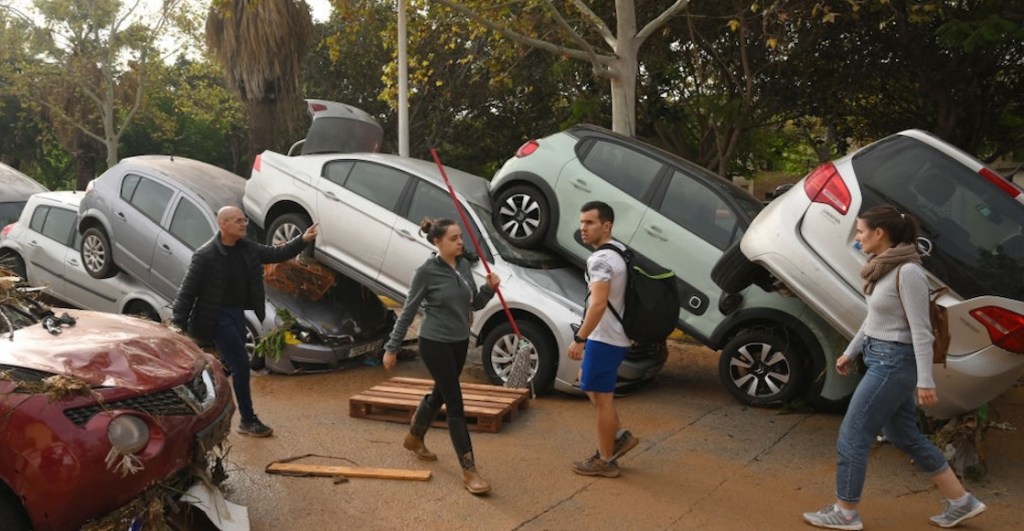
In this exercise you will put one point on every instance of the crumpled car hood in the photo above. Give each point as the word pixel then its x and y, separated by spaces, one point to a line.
pixel 106 350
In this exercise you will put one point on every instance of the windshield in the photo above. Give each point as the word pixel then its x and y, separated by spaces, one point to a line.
pixel 973 229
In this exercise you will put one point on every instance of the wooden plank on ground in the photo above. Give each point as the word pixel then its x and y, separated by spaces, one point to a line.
pixel 348 471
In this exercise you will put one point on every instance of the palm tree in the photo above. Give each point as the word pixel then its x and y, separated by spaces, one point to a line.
pixel 261 44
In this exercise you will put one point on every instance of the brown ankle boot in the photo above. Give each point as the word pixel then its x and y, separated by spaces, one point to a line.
pixel 416 446
pixel 471 479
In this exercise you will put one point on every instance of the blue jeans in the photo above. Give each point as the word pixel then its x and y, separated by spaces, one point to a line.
pixel 230 340
pixel 884 402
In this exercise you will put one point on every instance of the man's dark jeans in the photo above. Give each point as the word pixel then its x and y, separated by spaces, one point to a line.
pixel 230 341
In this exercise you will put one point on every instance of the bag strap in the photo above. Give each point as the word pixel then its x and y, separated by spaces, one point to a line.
pixel 625 259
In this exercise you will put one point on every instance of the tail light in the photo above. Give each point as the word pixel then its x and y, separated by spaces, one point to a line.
pixel 90 186
pixel 257 163
pixel 6 230
pixel 527 149
pixel 1002 183
pixel 1005 328
pixel 316 107
pixel 824 185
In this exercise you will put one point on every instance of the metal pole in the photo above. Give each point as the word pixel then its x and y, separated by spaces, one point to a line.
pixel 403 83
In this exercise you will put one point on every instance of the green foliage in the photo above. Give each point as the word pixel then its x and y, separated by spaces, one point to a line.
pixel 271 345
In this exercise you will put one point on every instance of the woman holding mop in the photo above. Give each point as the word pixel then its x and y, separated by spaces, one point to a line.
pixel 443 286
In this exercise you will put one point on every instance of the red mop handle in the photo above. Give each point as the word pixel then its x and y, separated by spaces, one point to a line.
pixel 472 236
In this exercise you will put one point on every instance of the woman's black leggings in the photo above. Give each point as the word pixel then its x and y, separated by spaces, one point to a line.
pixel 445 362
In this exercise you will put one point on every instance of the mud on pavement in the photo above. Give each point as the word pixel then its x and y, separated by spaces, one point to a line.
pixel 704 462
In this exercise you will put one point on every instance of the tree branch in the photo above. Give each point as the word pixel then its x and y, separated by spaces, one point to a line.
pixel 591 53
pixel 661 20
pixel 523 39
pixel 599 26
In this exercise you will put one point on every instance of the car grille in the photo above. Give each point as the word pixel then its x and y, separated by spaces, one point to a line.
pixel 191 398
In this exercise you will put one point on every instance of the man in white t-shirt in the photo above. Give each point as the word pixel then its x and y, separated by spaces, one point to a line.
pixel 601 342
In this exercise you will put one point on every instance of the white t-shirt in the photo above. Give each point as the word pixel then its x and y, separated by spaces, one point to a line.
pixel 606 265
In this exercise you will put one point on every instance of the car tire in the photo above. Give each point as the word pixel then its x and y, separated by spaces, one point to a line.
pixel 522 215
pixel 762 367
pixel 14 263
pixel 286 227
pixel 500 345
pixel 142 310
pixel 256 363
pixel 12 514
pixel 96 253
pixel 733 272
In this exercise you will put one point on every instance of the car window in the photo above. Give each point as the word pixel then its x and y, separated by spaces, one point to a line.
pixel 379 184
pixel 976 231
pixel 432 202
pixel 38 218
pixel 10 211
pixel 337 171
pixel 56 224
pixel 128 186
pixel 189 225
pixel 149 197
pixel 629 170
pixel 59 224
pixel 696 208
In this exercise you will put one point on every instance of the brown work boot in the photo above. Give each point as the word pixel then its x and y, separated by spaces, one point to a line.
pixel 471 479
pixel 416 446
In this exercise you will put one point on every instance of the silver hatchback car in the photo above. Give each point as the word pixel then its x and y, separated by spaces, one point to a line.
pixel 972 241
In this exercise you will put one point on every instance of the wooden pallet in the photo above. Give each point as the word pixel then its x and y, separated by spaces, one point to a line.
pixel 487 406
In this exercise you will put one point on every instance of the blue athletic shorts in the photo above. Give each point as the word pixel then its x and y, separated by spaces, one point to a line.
pixel 601 366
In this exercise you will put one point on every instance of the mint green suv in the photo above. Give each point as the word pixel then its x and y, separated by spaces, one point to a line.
pixel 773 347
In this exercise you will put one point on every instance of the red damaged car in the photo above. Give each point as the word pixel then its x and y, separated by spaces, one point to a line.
pixel 102 417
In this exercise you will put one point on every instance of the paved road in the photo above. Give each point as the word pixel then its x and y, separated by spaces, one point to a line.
pixel 704 462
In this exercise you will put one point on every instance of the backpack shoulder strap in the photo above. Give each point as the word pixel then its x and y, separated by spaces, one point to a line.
pixel 625 254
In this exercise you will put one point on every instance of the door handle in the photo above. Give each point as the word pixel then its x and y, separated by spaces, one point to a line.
pixel 166 248
pixel 330 195
pixel 122 216
pixel 581 184
pixel 656 232
pixel 407 235
pixel 72 261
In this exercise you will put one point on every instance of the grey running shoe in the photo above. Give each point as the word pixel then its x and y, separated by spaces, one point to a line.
pixel 954 514
pixel 623 444
pixel 593 466
pixel 830 517
pixel 254 428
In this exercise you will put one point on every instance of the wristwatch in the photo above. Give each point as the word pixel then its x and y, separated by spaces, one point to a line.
pixel 578 339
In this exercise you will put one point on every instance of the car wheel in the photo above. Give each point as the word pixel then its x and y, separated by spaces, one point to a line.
pixel 142 310
pixel 761 367
pixel 96 253
pixel 286 227
pixel 501 345
pixel 523 216
pixel 12 514
pixel 256 363
pixel 13 263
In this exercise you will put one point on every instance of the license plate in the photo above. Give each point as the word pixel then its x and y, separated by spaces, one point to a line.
pixel 369 347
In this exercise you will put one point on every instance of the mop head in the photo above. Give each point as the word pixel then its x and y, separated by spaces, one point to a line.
pixel 519 374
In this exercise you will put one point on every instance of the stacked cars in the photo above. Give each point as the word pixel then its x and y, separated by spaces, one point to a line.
pixel 683 218
pixel 146 215
pixel 972 242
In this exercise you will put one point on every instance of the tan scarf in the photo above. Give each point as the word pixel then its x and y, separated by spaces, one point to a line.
pixel 879 265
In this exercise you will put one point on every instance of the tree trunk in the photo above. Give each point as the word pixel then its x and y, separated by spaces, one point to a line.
pixel 261 127
pixel 85 167
pixel 624 70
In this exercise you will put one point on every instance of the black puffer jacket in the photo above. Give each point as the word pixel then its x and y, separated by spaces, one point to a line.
pixel 199 297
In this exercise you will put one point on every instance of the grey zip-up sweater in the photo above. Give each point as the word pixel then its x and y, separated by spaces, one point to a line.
pixel 448 297
pixel 901 317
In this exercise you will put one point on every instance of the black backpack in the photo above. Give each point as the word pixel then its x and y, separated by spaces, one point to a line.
pixel 652 299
